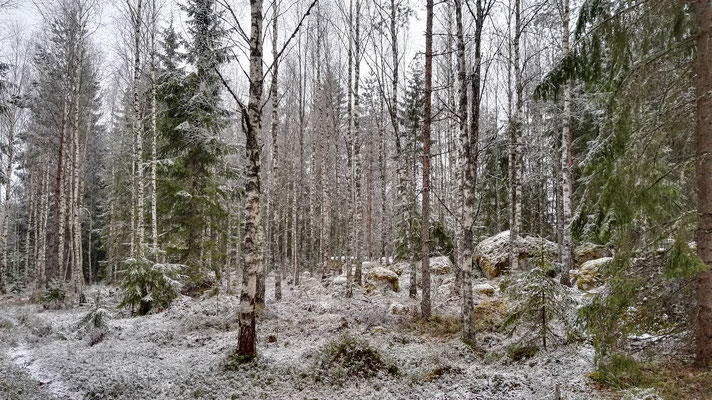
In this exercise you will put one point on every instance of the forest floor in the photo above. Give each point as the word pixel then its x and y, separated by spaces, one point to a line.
pixel 183 352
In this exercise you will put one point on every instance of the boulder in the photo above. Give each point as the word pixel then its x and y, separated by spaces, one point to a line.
pixel 399 267
pixel 339 280
pixel 382 277
pixel 493 253
pixel 587 277
pixel 484 289
pixel 440 265
pixel 589 251
pixel 367 265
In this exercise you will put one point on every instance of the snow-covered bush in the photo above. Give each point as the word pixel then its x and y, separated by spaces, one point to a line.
pixel 147 286
pixel 350 357
pixel 53 298
pixel 94 324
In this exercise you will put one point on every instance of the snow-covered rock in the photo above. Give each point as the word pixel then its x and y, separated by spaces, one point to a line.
pixel 368 265
pixel 589 251
pixel 484 289
pixel 440 265
pixel 339 280
pixel 587 277
pixel 493 252
pixel 382 277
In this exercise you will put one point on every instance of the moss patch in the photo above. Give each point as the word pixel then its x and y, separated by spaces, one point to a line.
pixel 442 326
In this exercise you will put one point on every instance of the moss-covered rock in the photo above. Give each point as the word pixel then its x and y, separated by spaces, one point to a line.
pixel 440 266
pixel 589 251
pixel 484 289
pixel 380 277
pixel 588 275
pixel 493 253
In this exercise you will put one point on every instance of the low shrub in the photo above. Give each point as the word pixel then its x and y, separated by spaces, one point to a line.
pixel 147 286
pixel 619 370
pixel 351 357
pixel 521 352
pixel 6 324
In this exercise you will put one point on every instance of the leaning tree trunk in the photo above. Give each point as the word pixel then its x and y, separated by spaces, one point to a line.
pixel 703 132
pixel 252 118
pixel 425 307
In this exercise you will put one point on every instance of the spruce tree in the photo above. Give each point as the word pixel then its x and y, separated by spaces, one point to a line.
pixel 190 123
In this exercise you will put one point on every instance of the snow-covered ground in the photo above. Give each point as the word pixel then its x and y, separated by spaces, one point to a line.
pixel 181 352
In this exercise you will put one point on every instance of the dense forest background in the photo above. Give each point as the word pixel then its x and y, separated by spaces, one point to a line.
pixel 209 144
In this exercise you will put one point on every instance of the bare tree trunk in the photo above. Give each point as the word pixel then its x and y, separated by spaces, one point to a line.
pixel 275 148
pixel 138 135
pixel 298 193
pixel 6 207
pixel 41 274
pixel 59 192
pixel 358 214
pixel 514 146
pixel 154 133
pixel 566 190
pixel 466 177
pixel 425 306
pixel 350 150
pixel 252 121
pixel 703 83
pixel 31 222
pixel 401 157
pixel 75 224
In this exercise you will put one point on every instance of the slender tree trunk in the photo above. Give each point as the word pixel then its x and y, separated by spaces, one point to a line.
pixel 566 190
pixel 275 148
pixel 466 177
pixel 401 156
pixel 514 146
pixel 425 306
pixel 247 343
pixel 358 215
pixel 154 133
pixel 6 208
pixel 138 134
pixel 350 151
pixel 703 132
pixel 31 222
pixel 41 274
pixel 75 224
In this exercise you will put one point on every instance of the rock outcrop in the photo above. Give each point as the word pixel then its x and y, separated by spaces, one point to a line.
pixel 493 253
pixel 380 277
pixel 588 274
pixel 440 265
pixel 589 251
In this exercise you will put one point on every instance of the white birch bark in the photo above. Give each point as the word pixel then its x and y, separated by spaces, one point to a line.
pixel 252 122
pixel 566 190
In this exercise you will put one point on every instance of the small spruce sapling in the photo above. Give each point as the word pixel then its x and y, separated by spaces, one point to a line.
pixel 541 306
pixel 148 286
